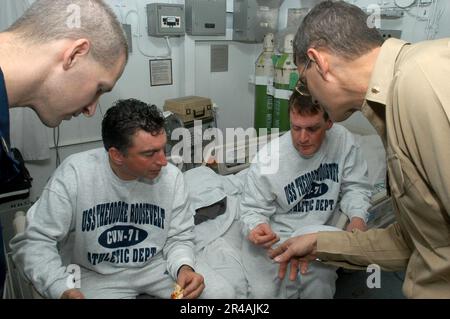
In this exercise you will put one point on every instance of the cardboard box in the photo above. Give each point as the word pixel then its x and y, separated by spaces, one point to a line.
pixel 190 108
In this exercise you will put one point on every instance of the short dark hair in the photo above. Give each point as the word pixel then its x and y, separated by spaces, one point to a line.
pixel 304 105
pixel 125 118
pixel 339 27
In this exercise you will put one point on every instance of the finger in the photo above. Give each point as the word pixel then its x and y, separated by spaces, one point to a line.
pixel 194 284
pixel 188 288
pixel 181 281
pixel 263 239
pixel 251 238
pixel 78 295
pixel 272 242
pixel 304 267
pixel 276 251
pixel 73 294
pixel 294 269
pixel 256 238
pixel 284 256
pixel 282 270
pixel 195 293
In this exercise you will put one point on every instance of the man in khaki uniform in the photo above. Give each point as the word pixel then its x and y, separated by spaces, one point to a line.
pixel 403 89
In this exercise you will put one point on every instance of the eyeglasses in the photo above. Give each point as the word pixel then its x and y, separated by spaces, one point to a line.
pixel 301 87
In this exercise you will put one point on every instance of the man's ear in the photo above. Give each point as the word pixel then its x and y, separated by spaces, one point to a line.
pixel 320 60
pixel 116 156
pixel 329 124
pixel 74 51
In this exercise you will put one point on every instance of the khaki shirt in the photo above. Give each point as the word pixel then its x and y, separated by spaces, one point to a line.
pixel 408 103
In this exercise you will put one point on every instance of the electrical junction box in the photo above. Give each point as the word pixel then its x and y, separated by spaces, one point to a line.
pixel 253 19
pixel 206 17
pixel 386 34
pixel 165 19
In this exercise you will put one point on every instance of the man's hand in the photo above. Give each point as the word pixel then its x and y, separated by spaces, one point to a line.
pixel 72 294
pixel 299 251
pixel 191 282
pixel 356 223
pixel 263 235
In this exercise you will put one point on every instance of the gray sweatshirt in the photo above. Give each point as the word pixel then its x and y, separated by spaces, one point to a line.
pixel 306 191
pixel 89 217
